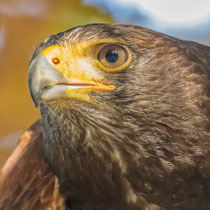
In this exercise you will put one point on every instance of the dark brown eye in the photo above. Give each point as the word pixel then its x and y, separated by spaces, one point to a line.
pixel 55 60
pixel 113 56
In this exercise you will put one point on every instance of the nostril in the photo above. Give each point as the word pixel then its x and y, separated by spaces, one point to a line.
pixel 55 60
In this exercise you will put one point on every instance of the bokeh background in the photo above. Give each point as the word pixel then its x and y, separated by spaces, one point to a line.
pixel 25 23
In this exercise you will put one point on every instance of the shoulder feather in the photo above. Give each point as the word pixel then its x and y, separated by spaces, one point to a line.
pixel 26 181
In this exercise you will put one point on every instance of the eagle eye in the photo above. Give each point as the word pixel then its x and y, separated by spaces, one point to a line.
pixel 113 57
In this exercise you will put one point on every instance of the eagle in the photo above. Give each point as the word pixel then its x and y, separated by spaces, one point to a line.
pixel 125 124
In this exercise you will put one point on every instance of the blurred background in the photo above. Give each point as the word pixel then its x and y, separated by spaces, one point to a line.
pixel 25 23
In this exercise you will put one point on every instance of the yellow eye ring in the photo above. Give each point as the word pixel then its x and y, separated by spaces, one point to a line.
pixel 112 57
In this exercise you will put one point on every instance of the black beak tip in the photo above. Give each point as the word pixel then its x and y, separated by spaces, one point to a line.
pixel 33 97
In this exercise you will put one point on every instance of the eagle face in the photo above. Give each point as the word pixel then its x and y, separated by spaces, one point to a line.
pixel 79 63
pixel 125 111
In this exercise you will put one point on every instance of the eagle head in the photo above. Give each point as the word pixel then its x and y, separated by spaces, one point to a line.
pixel 125 110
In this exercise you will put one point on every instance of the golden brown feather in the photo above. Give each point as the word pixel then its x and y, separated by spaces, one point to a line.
pixel 25 180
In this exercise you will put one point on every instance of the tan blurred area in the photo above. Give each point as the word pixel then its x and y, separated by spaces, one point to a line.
pixel 23 24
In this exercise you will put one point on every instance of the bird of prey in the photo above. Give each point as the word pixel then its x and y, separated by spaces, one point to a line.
pixel 125 124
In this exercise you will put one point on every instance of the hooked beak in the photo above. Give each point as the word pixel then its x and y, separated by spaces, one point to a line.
pixel 47 83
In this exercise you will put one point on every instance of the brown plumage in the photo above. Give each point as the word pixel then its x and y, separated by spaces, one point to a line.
pixel 125 119
pixel 25 180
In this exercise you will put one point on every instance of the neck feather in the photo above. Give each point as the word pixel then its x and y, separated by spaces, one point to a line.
pixel 86 149
pixel 105 156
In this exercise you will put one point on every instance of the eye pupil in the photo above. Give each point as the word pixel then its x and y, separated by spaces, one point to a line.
pixel 112 56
